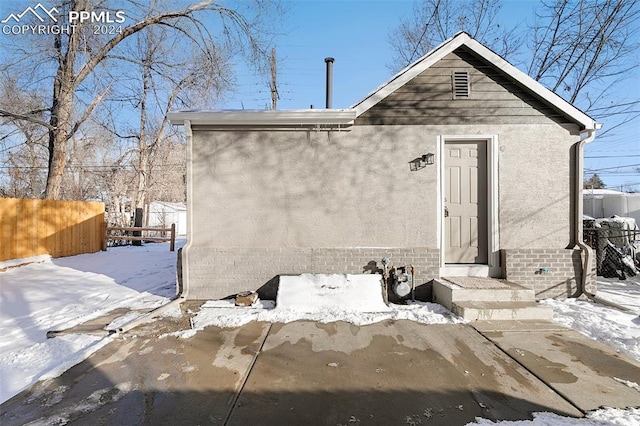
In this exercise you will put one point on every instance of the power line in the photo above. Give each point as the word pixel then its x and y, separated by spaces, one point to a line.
pixel 96 166
pixel 611 156
pixel 616 167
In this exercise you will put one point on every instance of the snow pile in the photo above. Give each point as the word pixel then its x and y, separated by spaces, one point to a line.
pixel 57 294
pixel 313 293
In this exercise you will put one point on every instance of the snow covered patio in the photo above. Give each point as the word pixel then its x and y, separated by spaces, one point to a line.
pixel 407 364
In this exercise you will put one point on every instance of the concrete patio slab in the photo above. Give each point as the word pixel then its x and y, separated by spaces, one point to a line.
pixel 329 374
pixel 387 373
pixel 585 372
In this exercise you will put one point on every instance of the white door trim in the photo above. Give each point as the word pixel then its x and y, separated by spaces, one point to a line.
pixel 492 268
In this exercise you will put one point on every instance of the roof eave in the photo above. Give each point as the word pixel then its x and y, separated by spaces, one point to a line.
pixel 583 120
pixel 586 122
pixel 291 118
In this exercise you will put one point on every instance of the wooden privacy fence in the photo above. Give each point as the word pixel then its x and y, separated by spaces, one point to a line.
pixel 134 233
pixel 31 227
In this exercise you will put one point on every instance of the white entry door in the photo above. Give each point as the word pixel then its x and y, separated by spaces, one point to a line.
pixel 465 202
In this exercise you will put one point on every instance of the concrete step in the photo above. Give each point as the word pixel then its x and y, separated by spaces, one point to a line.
pixel 447 291
pixel 502 311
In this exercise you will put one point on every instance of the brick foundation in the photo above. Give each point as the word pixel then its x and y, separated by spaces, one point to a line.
pixel 550 272
pixel 216 273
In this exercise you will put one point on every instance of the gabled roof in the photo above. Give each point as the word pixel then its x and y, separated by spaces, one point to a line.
pixel 464 39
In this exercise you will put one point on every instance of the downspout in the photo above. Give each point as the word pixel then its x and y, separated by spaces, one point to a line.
pixel 183 290
pixel 579 212
pixel 585 248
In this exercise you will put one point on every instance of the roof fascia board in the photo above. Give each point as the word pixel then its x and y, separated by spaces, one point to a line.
pixel 296 118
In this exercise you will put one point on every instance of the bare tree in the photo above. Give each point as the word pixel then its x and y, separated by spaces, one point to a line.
pixel 163 79
pixel 168 171
pixel 23 144
pixel 73 60
pixel 433 21
pixel 585 49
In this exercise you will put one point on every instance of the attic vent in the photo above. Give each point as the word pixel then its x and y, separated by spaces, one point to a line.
pixel 461 84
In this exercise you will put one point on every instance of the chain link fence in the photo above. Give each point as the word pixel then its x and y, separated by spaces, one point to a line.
pixel 617 247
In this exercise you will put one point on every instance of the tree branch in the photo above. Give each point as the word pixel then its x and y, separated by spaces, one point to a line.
pixel 24 117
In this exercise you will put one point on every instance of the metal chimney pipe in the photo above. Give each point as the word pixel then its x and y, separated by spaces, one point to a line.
pixel 329 62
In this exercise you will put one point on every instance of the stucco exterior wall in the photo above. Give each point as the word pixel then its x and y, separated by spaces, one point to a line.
pixel 536 187
pixel 306 193
pixel 313 189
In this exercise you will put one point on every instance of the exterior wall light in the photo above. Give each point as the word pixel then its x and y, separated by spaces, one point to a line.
pixel 422 161
pixel 427 159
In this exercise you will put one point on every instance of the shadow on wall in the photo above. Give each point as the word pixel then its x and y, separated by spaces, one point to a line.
pixel 568 287
pixel 298 187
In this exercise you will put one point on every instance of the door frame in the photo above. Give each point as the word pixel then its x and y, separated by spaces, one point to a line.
pixel 492 268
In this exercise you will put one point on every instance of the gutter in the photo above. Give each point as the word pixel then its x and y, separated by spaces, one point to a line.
pixel 297 119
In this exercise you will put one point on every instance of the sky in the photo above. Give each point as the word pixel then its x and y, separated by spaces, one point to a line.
pixel 355 33
pixel 53 295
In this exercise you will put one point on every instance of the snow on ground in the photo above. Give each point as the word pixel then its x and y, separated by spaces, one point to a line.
pixel 617 329
pixel 603 417
pixel 356 299
pixel 59 293
pixel 623 292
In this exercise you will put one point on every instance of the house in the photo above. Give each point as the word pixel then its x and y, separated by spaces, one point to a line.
pixel 599 203
pixel 460 165
pixel 163 213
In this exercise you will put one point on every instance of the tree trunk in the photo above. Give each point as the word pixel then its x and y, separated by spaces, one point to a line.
pixel 64 87
pixel 143 149
pixel 61 113
pixel 143 171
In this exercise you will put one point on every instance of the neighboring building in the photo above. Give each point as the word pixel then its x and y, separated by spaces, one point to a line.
pixel 163 214
pixel 459 165
pixel 599 203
